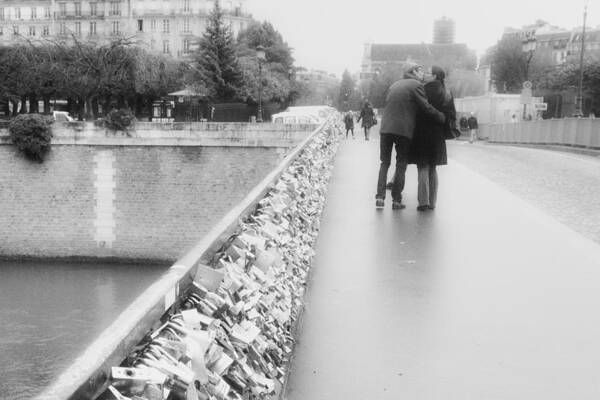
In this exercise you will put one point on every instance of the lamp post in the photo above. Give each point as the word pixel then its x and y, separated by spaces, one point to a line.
pixel 579 106
pixel 528 46
pixel 261 56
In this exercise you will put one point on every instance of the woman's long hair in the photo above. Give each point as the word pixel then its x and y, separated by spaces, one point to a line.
pixel 438 74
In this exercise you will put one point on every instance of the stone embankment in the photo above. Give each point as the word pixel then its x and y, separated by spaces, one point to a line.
pixel 146 195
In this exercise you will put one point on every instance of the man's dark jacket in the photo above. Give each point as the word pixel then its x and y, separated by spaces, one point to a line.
pixel 405 100
pixel 472 121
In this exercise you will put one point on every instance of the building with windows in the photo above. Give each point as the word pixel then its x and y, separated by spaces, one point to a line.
pixel 591 42
pixel 167 26
pixel 377 57
pixel 548 42
pixel 554 45
pixel 552 48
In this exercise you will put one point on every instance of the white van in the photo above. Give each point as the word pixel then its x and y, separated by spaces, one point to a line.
pixel 294 118
pixel 321 112
pixel 62 116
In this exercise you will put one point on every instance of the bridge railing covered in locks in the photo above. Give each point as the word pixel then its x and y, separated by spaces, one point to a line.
pixel 578 132
pixel 219 324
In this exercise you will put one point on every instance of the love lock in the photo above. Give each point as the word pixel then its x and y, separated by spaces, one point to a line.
pixel 232 336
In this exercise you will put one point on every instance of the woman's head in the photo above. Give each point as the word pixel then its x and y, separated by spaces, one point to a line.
pixel 438 73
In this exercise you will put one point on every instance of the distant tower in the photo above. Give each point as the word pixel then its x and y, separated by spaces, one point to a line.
pixel 443 31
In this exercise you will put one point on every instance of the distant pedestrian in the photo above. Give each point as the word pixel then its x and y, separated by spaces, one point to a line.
pixel 473 126
pixel 406 98
pixel 367 114
pixel 428 147
pixel 513 119
pixel 349 123
pixel 463 123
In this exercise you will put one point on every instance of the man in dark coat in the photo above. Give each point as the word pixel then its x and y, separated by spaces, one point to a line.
pixel 473 126
pixel 406 98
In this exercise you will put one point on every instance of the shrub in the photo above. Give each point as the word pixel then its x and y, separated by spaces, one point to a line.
pixel 119 120
pixel 31 134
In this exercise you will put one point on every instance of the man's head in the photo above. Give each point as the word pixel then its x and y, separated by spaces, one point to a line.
pixel 414 70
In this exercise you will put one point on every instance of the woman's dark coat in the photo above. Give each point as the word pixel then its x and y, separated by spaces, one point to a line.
pixel 368 116
pixel 428 146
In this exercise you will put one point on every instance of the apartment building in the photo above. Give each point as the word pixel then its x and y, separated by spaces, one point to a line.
pixel 553 45
pixel 167 26
pixel 591 42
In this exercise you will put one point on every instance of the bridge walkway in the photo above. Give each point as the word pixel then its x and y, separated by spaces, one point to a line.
pixel 486 297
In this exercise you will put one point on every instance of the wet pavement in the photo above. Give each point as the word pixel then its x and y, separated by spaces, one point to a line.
pixel 487 297
pixel 565 185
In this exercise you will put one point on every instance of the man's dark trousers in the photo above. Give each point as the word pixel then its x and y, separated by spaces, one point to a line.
pixel 386 142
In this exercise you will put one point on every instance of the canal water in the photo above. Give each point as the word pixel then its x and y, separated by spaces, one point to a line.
pixel 50 312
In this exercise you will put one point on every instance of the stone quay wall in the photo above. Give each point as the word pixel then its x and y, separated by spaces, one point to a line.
pixel 148 194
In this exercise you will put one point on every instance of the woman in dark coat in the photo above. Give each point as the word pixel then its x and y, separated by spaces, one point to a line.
pixel 428 146
pixel 367 114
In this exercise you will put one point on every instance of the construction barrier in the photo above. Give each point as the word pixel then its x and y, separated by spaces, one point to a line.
pixel 577 132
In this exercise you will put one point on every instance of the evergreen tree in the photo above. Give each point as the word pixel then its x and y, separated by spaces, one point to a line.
pixel 347 88
pixel 277 51
pixel 277 68
pixel 216 59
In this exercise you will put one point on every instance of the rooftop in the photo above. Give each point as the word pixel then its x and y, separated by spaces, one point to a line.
pixel 399 52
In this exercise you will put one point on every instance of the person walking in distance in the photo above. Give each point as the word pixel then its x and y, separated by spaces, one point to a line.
pixel 473 126
pixel 406 98
pixel 349 123
pixel 428 147
pixel 367 114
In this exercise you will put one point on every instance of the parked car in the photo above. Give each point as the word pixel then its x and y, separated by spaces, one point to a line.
pixel 294 118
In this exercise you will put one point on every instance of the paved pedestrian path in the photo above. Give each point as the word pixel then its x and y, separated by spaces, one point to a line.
pixel 484 298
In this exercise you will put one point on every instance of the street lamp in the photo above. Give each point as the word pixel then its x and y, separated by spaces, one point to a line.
pixel 261 56
pixel 579 106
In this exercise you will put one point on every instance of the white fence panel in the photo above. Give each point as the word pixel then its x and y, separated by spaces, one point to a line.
pixel 581 132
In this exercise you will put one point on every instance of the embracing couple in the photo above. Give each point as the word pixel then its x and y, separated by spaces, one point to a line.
pixel 417 119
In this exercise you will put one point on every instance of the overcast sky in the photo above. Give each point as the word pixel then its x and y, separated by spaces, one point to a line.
pixel 329 34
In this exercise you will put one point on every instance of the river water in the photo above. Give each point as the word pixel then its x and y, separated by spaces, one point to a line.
pixel 50 312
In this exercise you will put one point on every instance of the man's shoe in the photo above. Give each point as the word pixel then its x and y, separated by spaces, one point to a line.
pixel 423 208
pixel 396 205
pixel 379 203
